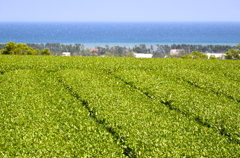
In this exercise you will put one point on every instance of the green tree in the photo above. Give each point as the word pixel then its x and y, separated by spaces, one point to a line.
pixel 232 54
pixel 108 54
pixel 151 49
pixel 198 55
pixel 187 56
pixel 195 55
pixel 18 49
pixel 87 52
pixel 212 57
pixel 137 49
pixel 46 52
pixel 9 48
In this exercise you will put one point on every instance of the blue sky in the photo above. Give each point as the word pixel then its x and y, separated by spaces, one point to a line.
pixel 119 10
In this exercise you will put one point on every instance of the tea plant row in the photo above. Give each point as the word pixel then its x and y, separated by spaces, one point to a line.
pixel 209 109
pixel 40 118
pixel 146 127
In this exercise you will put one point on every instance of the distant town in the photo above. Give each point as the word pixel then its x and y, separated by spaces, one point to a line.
pixel 138 51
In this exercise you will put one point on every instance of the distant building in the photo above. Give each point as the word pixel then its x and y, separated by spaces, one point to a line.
pixel 142 55
pixel 66 54
pixel 176 51
pixel 216 55
pixel 93 50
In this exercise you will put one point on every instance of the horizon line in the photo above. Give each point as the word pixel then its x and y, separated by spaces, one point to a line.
pixel 107 21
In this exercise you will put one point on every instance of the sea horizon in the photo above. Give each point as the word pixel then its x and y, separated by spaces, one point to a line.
pixel 127 34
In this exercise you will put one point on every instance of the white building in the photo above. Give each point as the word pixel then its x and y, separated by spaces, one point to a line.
pixel 66 54
pixel 142 55
pixel 176 51
pixel 216 55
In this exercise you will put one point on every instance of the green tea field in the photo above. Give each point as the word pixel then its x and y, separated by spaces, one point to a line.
pixel 119 107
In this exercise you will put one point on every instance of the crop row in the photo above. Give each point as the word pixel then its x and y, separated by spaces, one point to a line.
pixel 213 83
pixel 40 118
pixel 209 109
pixel 146 127
pixel 118 107
pixel 225 68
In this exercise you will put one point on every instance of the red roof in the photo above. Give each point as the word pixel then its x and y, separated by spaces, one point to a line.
pixel 93 50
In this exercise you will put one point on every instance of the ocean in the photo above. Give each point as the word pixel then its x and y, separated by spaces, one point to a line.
pixel 122 33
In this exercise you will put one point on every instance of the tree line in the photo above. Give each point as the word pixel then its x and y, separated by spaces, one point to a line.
pixel 12 48
pixel 80 50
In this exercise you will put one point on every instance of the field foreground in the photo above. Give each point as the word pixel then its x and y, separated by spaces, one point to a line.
pixel 118 107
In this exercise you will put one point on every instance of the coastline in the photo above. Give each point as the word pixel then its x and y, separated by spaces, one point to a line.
pixel 130 45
